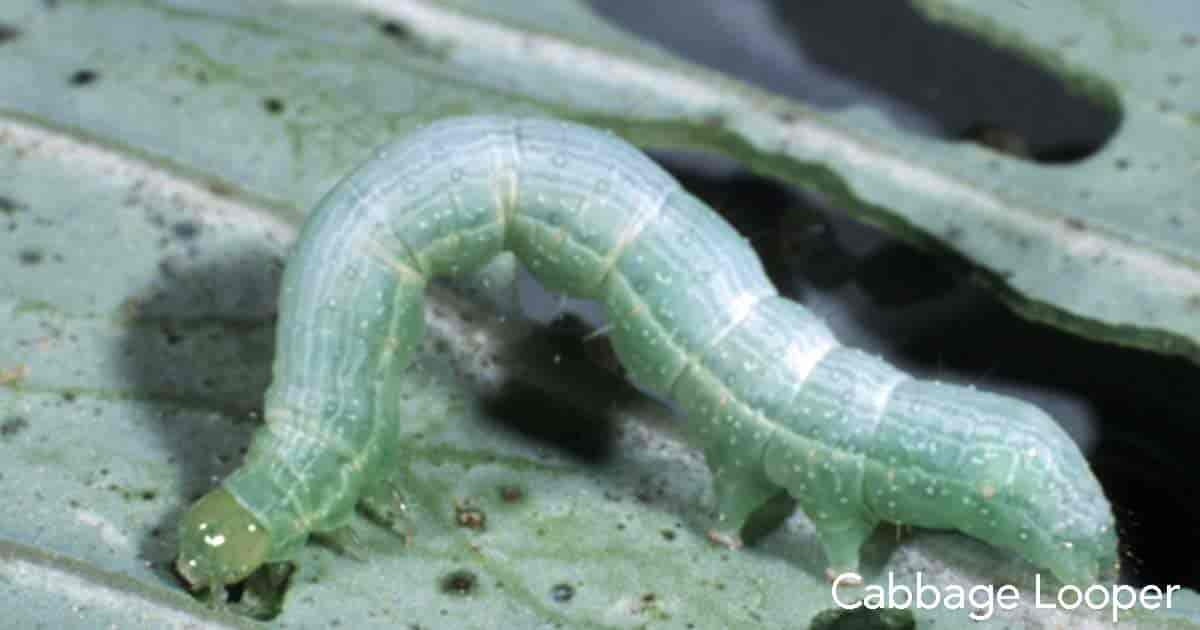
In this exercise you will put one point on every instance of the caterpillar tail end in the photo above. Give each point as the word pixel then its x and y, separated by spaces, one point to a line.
pixel 220 543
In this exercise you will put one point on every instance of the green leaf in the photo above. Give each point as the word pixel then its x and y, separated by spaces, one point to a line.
pixel 156 159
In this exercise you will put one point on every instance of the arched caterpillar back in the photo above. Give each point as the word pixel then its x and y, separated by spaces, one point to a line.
pixel 772 398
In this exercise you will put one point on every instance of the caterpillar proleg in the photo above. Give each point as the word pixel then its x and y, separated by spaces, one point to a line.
pixel 771 397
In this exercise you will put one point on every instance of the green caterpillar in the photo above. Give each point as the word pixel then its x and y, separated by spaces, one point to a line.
pixel 773 399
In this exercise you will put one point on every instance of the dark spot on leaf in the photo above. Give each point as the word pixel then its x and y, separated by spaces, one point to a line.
pixel 68 397
pixel 12 426
pixel 511 494
pixel 219 188
pixel 185 230
pixel 273 105
pixel 562 593
pixel 470 517
pixel 30 257
pixel 1174 80
pixel 84 77
pixel 786 118
pixel 8 206
pixel 393 28
pixel 1121 164
pixel 668 534
pixel 1075 224
pixel 8 33
pixel 149 495
pixel 172 336
pixel 1189 39
pixel 461 582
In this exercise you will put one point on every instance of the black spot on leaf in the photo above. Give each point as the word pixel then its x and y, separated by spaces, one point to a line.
pixel 562 593
pixel 84 77
pixel 13 426
pixel 30 257
pixel 185 230
pixel 273 105
pixel 8 33
pixel 460 582
pixel 8 206
pixel 393 28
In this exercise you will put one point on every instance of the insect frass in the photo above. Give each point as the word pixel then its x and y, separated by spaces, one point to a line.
pixel 771 396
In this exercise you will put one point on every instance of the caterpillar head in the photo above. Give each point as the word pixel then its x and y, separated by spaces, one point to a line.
pixel 220 542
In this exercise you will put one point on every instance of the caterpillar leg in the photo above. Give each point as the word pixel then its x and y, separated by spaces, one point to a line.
pixel 213 595
pixel 828 488
pixel 740 490
pixel 842 536
pixel 383 504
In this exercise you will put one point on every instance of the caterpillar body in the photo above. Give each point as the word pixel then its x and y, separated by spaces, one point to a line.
pixel 772 398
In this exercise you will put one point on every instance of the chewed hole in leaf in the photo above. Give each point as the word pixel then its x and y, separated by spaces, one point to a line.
pixel 999 98
pixel 1005 99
